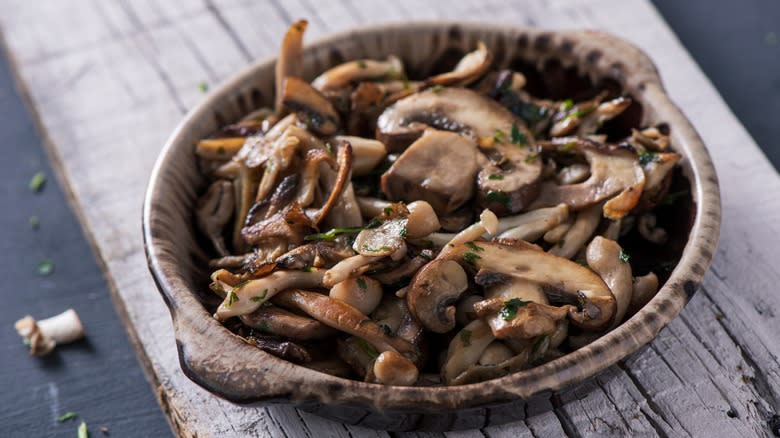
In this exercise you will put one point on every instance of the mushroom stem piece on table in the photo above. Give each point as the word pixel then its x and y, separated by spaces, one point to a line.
pixel 44 335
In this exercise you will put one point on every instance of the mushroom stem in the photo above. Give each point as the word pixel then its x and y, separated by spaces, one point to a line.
pixel 488 223
pixel 645 288
pixel 603 256
pixel 466 348
pixel 42 336
pixel 532 225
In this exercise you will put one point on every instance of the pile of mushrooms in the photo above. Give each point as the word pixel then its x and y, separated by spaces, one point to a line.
pixel 445 230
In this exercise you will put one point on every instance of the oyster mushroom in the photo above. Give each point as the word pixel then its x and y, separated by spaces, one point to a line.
pixel 648 229
pixel 466 348
pixel 434 291
pixel 312 107
pixel 361 70
pixel 658 169
pixel 470 68
pixel 214 210
pixel 310 174
pixel 510 181
pixel 615 174
pixel 585 118
pixel 464 311
pixel 280 348
pixel 487 224
pixel 556 233
pixel 362 293
pixel 405 270
pixel 349 267
pixel 644 289
pixel 367 153
pixel 534 224
pixel 219 148
pixel 590 302
pixel 42 336
pixel 340 188
pixel 579 233
pixel 318 254
pixel 425 171
pixel 281 322
pixel 290 62
pixel 604 257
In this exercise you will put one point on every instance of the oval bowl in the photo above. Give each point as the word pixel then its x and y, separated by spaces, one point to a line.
pixel 222 363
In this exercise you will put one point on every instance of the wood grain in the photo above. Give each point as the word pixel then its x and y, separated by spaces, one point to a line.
pixel 110 82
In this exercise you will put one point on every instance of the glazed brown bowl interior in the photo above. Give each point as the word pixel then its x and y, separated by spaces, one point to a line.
pixel 557 64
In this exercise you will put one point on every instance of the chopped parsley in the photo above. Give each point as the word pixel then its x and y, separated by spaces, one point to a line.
pixel 567 105
pixel 67 416
pixel 437 88
pixel 498 196
pixel 329 147
pixel 232 298
pixel 361 64
pixel 516 136
pixel 83 432
pixel 221 150
pixel 647 157
pixel 365 347
pixel 257 298
pixel 624 257
pixel 471 258
pixel 390 74
pixel 568 147
pixel 465 337
pixel 361 282
pixel 333 233
pixel 34 222
pixel 474 246
pixel 509 311
pixel 671 198
pixel 498 135
pixel 203 87
pixel 45 267
pixel 37 182
pixel 496 176
pixel 561 243
pixel 388 211
pixel 531 158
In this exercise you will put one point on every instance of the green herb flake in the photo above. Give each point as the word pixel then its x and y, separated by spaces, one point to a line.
pixel 45 267
pixel 37 182
pixel 221 150
pixel 647 157
pixel 496 176
pixel 67 416
pixel 499 134
pixel 203 87
pixel 365 347
pixel 83 432
pixel 437 88
pixel 531 158
pixel 567 105
pixel 474 246
pixel 387 330
pixel 361 64
pixel 405 81
pixel 568 147
pixel 361 282
pixel 671 198
pixel 516 136
pixel 498 196
pixel 391 74
pixel 471 258
pixel 388 211
pixel 465 337
pixel 259 298
pixel 333 233
pixel 34 222
pixel 561 243
pixel 624 257
pixel 232 298
pixel 509 311
pixel 582 112
pixel 329 147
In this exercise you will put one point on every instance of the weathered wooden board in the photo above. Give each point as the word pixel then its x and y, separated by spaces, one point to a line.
pixel 110 80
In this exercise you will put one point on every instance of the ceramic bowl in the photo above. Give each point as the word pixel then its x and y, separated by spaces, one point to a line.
pixel 221 362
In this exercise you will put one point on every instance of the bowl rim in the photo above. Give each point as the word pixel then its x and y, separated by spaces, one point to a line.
pixel 282 381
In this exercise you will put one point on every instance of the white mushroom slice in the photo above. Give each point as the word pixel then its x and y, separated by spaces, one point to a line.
pixel 556 234
pixel 372 207
pixel 42 336
pixel 367 152
pixel 648 229
pixel 495 353
pixel 312 108
pixel 645 288
pixel 362 293
pixel 466 348
pixel 359 70
pixel 580 232
pixel 615 174
pixel 391 368
pixel 605 257
pixel 349 267
pixel 385 240
pixel 488 223
pixel 248 296
pixel 573 174
pixel 290 62
pixel 534 224
pixel 214 211
pixel 468 69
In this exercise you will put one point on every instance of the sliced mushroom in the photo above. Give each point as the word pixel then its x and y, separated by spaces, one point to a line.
pixel 219 148
pixel 658 176
pixel 513 151
pixel 286 228
pixel 579 233
pixel 495 353
pixel 586 117
pixel 562 280
pixel 534 224
pixel 280 322
pixel 573 174
pixel 645 288
pixel 340 186
pixel 487 224
pixel 367 153
pixel 648 229
pixel 466 348
pixel 349 267
pixel 604 256
pixel 280 348
pixel 362 293
pixel 479 372
pixel 310 174
pixel 357 353
pixel 650 138
pixel 290 62
pixel 404 271
pixel 434 291
pixel 614 173
pixel 470 68
pixel 425 171
pixel 214 210
pixel 361 70
pixel 247 297
pixel 312 107
pixel 556 234
pixel 318 255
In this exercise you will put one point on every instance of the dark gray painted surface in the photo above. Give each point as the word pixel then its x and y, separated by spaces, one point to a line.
pixel 100 378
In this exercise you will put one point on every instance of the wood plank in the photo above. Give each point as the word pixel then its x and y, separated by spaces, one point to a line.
pixel 112 85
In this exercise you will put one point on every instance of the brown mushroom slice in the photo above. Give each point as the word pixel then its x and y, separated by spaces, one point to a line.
pixel 280 348
pixel 433 292
pixel 658 176
pixel 604 111
pixel 357 353
pixel 360 70
pixel 394 317
pixel 532 225
pixel 562 280
pixel 343 317
pixel 650 138
pixel 244 188
pixel 214 210
pixel 495 353
pixel 284 150
pixel 464 311
pixel 287 228
pixel 247 297
pixel 605 257
pixel 614 173
pixel 586 117
pixel 644 289
pixel 470 68
pixel 219 148
pixel 579 233
pixel 290 62
pixel 284 323
pixel 424 171
pixel 231 261
pixel 367 153
pixel 404 271
pixel 334 367
pixel 312 107
pixel 372 207
pixel 465 349
pixel 508 141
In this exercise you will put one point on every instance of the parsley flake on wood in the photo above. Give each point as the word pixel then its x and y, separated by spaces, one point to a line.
pixel 83 432
pixel 45 267
pixel 37 182
pixel 509 311
pixel 34 222
pixel 465 337
pixel 203 87
pixel 67 416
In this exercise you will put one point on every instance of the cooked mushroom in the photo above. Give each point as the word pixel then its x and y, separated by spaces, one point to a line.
pixel 319 255
pixel 495 353
pixel 214 211
pixel 614 173
pixel 290 61
pixel 312 107
pixel 644 289
pixel 425 171
pixel 362 293
pixel 648 229
pixel 42 336
pixel 360 70
pixel 464 311
pixel 607 259
pixel 278 321
pixel 406 270
pixel 219 148
pixel 367 153
pixel 487 224
pixel 573 174
pixel 650 138
pixel 534 224
pixel 579 233
pixel 349 267
pixel 468 69
pixel 658 176
pixel 466 348
pixel 434 291
pixel 556 233
pixel 516 170
pixel 280 348
pixel 586 117
pixel 390 368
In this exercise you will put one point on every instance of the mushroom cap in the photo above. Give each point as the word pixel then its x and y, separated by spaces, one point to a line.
pixel 433 292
